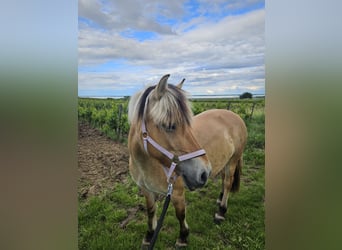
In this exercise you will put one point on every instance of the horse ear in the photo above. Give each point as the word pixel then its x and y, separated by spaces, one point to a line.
pixel 180 85
pixel 162 86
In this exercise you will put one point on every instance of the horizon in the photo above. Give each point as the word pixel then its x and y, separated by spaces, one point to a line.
pixel 226 96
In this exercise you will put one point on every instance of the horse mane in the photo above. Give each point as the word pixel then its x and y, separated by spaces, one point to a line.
pixel 137 103
pixel 171 108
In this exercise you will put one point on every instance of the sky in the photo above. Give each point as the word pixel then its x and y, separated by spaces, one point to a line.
pixel 218 46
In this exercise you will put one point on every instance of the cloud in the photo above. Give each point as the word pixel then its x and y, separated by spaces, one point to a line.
pixel 123 15
pixel 219 8
pixel 217 41
pixel 222 55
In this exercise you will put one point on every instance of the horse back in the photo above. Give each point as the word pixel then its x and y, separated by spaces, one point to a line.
pixel 223 135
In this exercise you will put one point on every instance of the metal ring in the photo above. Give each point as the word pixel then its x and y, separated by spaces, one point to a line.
pixel 175 159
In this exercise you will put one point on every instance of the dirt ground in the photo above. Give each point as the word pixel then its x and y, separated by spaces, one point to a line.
pixel 101 161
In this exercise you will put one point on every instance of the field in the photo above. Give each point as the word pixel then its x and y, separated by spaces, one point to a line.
pixel 112 211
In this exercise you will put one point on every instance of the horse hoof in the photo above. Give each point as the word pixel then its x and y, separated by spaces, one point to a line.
pixel 145 244
pixel 218 218
pixel 180 244
pixel 144 247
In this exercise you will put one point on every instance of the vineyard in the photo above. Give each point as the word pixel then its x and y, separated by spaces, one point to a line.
pixel 110 115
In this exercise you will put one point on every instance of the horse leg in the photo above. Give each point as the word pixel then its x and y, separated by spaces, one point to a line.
pixel 151 215
pixel 230 174
pixel 223 199
pixel 178 201
pixel 219 199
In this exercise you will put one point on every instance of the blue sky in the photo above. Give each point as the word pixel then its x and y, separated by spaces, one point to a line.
pixel 126 45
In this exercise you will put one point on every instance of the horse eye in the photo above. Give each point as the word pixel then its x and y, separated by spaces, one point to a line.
pixel 170 127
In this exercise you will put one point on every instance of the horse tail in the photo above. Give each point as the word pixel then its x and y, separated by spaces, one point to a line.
pixel 236 183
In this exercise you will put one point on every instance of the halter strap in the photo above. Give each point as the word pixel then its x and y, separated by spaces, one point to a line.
pixel 174 158
pixel 147 138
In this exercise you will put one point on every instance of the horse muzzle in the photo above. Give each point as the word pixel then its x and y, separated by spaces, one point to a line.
pixel 195 174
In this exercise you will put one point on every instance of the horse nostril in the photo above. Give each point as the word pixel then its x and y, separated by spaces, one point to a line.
pixel 204 177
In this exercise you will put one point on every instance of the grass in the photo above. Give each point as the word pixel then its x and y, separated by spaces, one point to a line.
pixel 100 217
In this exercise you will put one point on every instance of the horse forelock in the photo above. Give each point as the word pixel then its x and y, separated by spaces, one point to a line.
pixel 172 108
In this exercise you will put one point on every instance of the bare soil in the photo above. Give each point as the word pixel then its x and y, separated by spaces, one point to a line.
pixel 102 162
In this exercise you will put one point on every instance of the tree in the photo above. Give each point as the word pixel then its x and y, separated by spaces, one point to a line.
pixel 246 95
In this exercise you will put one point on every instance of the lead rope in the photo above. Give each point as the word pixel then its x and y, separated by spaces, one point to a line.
pixel 161 218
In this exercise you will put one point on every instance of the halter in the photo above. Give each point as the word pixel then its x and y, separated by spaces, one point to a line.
pixel 174 158
pixel 168 172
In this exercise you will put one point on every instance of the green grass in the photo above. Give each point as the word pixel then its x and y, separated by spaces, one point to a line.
pixel 244 228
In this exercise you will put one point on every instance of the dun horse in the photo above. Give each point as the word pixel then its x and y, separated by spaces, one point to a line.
pixel 165 142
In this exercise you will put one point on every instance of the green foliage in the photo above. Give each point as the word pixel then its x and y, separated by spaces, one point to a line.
pixel 108 115
pixel 246 95
pixel 245 108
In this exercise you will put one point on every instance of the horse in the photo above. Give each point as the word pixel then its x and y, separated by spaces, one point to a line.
pixel 166 141
pixel 223 135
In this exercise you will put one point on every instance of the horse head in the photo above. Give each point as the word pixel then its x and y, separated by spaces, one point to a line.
pixel 166 116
